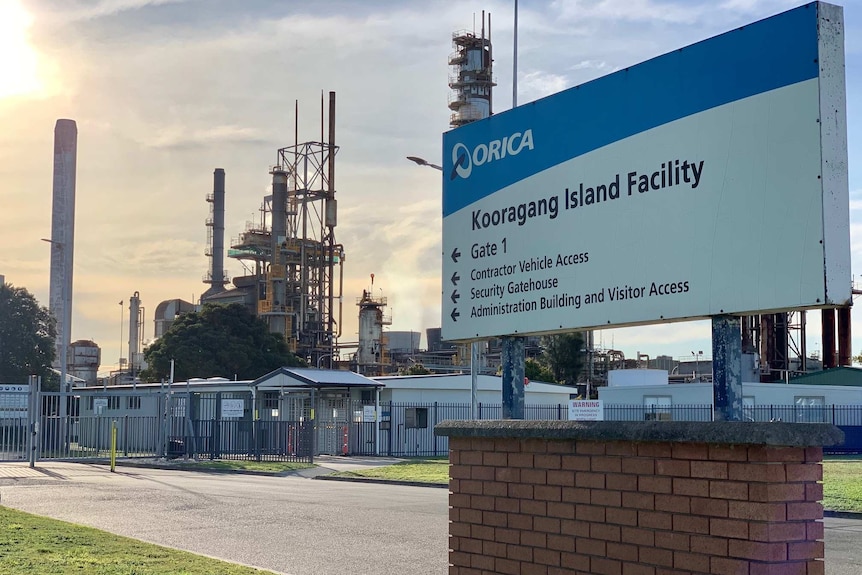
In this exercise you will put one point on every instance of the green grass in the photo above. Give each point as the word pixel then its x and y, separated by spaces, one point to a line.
pixel 431 470
pixel 32 545
pixel 842 483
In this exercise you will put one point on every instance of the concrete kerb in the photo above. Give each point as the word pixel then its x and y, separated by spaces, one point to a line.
pixel 184 465
pixel 383 481
pixel 324 468
pixel 331 465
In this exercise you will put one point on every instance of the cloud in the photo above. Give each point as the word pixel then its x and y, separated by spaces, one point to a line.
pixel 165 91
pixel 79 10
pixel 666 335
pixel 537 84
pixel 601 66
pixel 177 136
pixel 632 10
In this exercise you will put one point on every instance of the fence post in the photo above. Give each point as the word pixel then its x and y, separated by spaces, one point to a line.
pixel 389 433
pixel 434 435
pixel 98 435
pixel 162 422
pixel 215 452
pixel 255 434
pixel 214 440
pixel 113 445
pixel 33 419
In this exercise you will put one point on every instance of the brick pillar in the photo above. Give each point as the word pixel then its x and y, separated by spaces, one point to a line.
pixel 636 498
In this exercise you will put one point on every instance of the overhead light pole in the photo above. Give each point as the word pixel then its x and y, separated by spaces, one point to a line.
pixel 696 363
pixel 423 162
pixel 474 346
pixel 515 60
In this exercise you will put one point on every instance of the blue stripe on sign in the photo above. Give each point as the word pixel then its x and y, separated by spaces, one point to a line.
pixel 769 54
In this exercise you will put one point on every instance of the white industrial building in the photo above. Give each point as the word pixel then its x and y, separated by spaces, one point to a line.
pixel 647 393
pixel 455 388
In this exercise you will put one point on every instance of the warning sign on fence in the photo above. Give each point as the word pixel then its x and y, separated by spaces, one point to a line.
pixel 586 410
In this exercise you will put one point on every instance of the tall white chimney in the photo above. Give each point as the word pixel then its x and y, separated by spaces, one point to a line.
pixel 63 234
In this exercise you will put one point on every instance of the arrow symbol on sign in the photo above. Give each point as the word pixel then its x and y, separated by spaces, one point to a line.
pixel 455 255
pixel 455 315
pixel 455 278
pixel 455 296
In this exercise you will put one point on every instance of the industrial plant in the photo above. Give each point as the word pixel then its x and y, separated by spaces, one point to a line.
pixel 293 272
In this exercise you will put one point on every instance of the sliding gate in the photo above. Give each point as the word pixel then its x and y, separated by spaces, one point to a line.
pixel 235 426
pixel 82 425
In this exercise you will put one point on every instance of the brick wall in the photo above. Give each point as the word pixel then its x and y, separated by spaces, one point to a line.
pixel 548 506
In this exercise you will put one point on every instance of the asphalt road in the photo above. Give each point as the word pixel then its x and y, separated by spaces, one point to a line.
pixel 291 525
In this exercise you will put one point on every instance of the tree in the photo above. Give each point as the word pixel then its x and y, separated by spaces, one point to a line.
pixel 416 369
pixel 534 370
pixel 27 334
pixel 564 355
pixel 219 341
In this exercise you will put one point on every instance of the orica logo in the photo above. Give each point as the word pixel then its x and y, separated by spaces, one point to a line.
pixel 463 159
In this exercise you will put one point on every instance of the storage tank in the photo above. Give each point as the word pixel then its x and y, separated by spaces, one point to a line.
pixel 168 311
pixel 85 357
pixel 404 341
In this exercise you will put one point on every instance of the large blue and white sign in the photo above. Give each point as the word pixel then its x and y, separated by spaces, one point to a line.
pixel 711 180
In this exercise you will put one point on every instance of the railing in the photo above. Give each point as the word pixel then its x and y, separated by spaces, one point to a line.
pixel 841 415
pixel 278 426
pixel 658 412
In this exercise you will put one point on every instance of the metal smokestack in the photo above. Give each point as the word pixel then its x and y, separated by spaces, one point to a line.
pixel 215 249
pixel 218 229
pixel 279 236
pixel 134 334
pixel 63 235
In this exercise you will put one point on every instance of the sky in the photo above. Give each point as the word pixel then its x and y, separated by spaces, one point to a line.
pixel 165 91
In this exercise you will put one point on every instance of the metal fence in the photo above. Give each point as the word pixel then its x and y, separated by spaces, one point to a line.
pixel 147 425
pixel 840 415
pixel 407 429
pixel 279 426
pixel 848 418
pixel 658 412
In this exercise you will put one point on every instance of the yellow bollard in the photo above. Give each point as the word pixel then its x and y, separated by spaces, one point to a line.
pixel 113 445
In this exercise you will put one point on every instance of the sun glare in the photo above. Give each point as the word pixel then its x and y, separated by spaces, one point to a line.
pixel 18 60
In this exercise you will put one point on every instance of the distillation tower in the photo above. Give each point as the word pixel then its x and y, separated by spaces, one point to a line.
pixel 471 77
pixel 293 261
pixel 372 352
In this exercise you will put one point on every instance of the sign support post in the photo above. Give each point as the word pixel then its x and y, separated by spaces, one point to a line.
pixel 513 377
pixel 474 380
pixel 727 368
